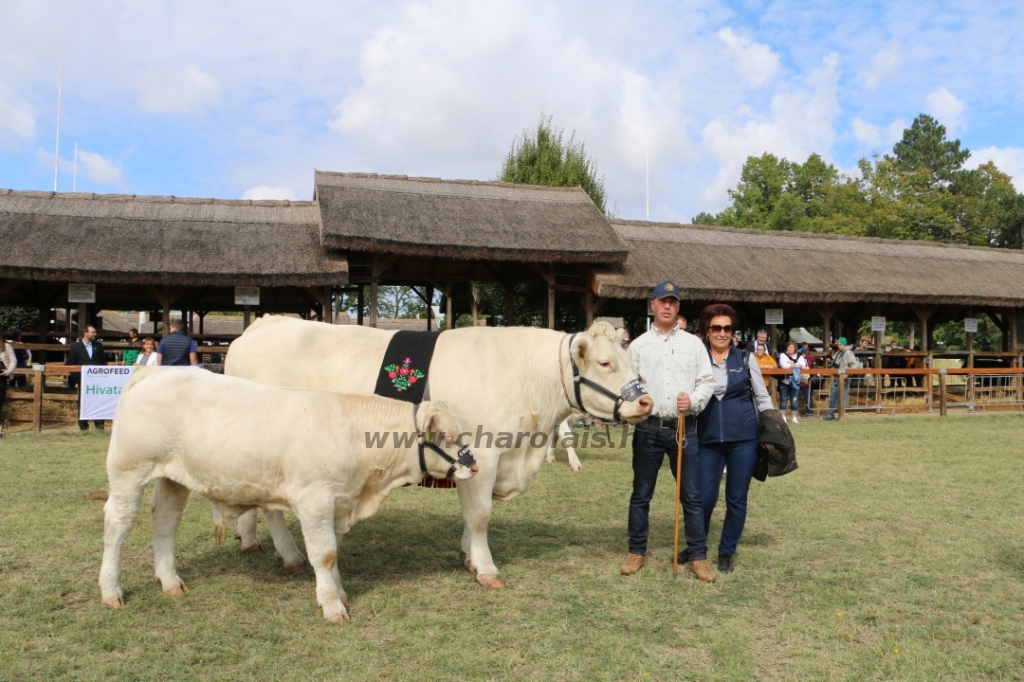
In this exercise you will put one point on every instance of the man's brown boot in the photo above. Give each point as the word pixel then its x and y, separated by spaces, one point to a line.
pixel 634 563
pixel 701 570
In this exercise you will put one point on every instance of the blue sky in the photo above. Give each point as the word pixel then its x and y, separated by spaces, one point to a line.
pixel 244 99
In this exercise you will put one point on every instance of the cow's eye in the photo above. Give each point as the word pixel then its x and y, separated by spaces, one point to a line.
pixel 606 365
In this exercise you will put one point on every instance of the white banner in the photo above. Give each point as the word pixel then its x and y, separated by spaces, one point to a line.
pixel 81 293
pixel 971 325
pixel 773 315
pixel 247 295
pixel 101 390
pixel 877 323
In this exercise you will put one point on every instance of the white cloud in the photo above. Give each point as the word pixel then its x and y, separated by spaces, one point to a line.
pixel 99 169
pixel 875 136
pixel 16 118
pixel 181 91
pixel 948 109
pixel 800 122
pixel 754 61
pixel 1010 160
pixel 883 64
pixel 265 192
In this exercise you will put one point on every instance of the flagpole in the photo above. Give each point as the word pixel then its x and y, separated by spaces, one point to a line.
pixel 56 151
pixel 74 178
pixel 647 164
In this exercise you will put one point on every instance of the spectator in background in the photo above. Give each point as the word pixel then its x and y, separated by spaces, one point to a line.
pixel 764 360
pixel 762 337
pixel 8 363
pixel 134 347
pixel 681 321
pixel 148 354
pixel 808 383
pixel 177 349
pixel 843 359
pixel 86 352
pixel 789 387
pixel 24 358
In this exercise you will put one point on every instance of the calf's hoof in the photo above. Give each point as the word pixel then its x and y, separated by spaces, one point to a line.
pixel 491 581
pixel 254 549
pixel 296 567
pixel 114 602
pixel 175 589
pixel 577 468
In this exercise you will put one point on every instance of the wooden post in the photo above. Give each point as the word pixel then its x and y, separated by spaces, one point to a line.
pixel 474 305
pixel 969 392
pixel 449 323
pixel 771 340
pixel 246 311
pixel 878 364
pixel 360 302
pixel 328 305
pixel 67 323
pixel 43 318
pixel 510 306
pixel 430 301
pixel 202 315
pixel 551 295
pixel 81 319
pixel 38 379
pixel 588 307
pixel 942 391
pixel 910 343
pixel 373 303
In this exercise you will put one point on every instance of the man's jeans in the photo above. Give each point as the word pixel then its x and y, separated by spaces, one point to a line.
pixel 650 446
pixel 740 458
pixel 833 400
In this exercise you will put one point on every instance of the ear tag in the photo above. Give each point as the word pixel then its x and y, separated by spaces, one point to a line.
pixel 583 365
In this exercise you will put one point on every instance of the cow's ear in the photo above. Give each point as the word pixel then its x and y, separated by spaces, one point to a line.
pixel 427 416
pixel 580 349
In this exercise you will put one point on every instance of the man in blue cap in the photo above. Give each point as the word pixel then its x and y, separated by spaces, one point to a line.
pixel 674 368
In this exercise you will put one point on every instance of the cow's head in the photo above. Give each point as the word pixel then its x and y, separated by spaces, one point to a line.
pixel 440 455
pixel 606 377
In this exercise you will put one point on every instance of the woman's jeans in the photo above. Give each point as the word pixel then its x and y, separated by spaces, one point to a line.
pixel 650 446
pixel 740 457
pixel 788 394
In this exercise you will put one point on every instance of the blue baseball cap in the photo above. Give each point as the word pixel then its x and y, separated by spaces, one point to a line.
pixel 665 289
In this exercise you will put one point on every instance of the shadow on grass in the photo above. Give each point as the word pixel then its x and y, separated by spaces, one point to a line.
pixel 406 544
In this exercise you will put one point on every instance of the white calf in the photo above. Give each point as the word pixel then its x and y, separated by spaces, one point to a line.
pixel 564 430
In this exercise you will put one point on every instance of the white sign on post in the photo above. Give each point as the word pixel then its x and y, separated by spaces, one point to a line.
pixel 773 315
pixel 247 295
pixel 81 293
pixel 101 390
pixel 971 325
pixel 877 323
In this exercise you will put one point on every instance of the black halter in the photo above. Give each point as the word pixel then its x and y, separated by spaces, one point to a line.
pixel 464 456
pixel 630 392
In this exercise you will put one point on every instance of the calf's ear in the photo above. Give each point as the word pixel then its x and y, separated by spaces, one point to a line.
pixel 580 349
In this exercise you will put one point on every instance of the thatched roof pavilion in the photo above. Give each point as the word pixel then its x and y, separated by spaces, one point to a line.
pixel 154 252
pixel 813 277
pixel 448 233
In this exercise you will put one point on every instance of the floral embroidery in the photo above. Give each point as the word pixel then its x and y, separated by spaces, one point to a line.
pixel 403 376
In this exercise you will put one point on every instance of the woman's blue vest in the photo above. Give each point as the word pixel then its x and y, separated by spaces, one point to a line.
pixel 732 418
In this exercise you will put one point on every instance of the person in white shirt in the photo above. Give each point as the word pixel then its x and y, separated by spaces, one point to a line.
pixel 673 367
pixel 789 387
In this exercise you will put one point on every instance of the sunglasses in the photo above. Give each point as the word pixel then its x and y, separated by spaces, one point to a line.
pixel 718 329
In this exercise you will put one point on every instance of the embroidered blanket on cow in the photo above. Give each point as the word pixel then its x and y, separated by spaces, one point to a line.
pixel 404 372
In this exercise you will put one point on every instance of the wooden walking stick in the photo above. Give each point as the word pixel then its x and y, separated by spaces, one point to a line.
pixel 681 444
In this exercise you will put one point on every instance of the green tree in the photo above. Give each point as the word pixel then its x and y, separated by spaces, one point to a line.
pixel 12 318
pixel 541 157
pixel 924 145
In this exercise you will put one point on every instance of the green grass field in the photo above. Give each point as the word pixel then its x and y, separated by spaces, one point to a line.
pixel 895 552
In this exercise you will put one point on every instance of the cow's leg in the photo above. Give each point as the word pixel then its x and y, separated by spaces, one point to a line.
pixel 317 521
pixel 120 513
pixel 246 532
pixel 169 499
pixel 564 431
pixel 475 496
pixel 550 456
pixel 284 543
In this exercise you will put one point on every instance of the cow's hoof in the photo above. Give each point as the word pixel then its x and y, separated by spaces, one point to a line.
pixel 340 618
pixel 491 581
pixel 549 461
pixel 577 468
pixel 344 601
pixel 255 549
pixel 113 602
pixel 296 567
pixel 176 590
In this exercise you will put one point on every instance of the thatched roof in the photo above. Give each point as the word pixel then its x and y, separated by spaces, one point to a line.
pixel 463 219
pixel 730 264
pixel 163 240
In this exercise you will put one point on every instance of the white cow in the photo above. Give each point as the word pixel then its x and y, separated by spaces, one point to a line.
pixel 244 445
pixel 564 430
pixel 505 385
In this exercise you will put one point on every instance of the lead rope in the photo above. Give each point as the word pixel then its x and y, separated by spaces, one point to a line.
pixel 681 445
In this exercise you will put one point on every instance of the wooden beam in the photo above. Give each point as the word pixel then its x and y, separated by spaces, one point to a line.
pixel 373 304
pixel 924 313
pixel 430 298
pixel 588 307
pixel 360 302
pixel 381 262
pixel 551 295
pixel 474 304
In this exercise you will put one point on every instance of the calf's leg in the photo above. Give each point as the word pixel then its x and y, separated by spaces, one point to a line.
pixel 550 456
pixel 564 431
pixel 120 513
pixel 169 499
pixel 284 543
pixel 317 519
pixel 246 532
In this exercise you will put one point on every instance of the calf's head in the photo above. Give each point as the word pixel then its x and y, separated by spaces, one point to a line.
pixel 608 387
pixel 440 455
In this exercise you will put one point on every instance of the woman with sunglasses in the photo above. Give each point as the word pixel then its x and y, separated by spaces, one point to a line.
pixel 727 428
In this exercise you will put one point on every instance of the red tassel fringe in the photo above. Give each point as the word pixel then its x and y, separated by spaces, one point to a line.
pixel 431 482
